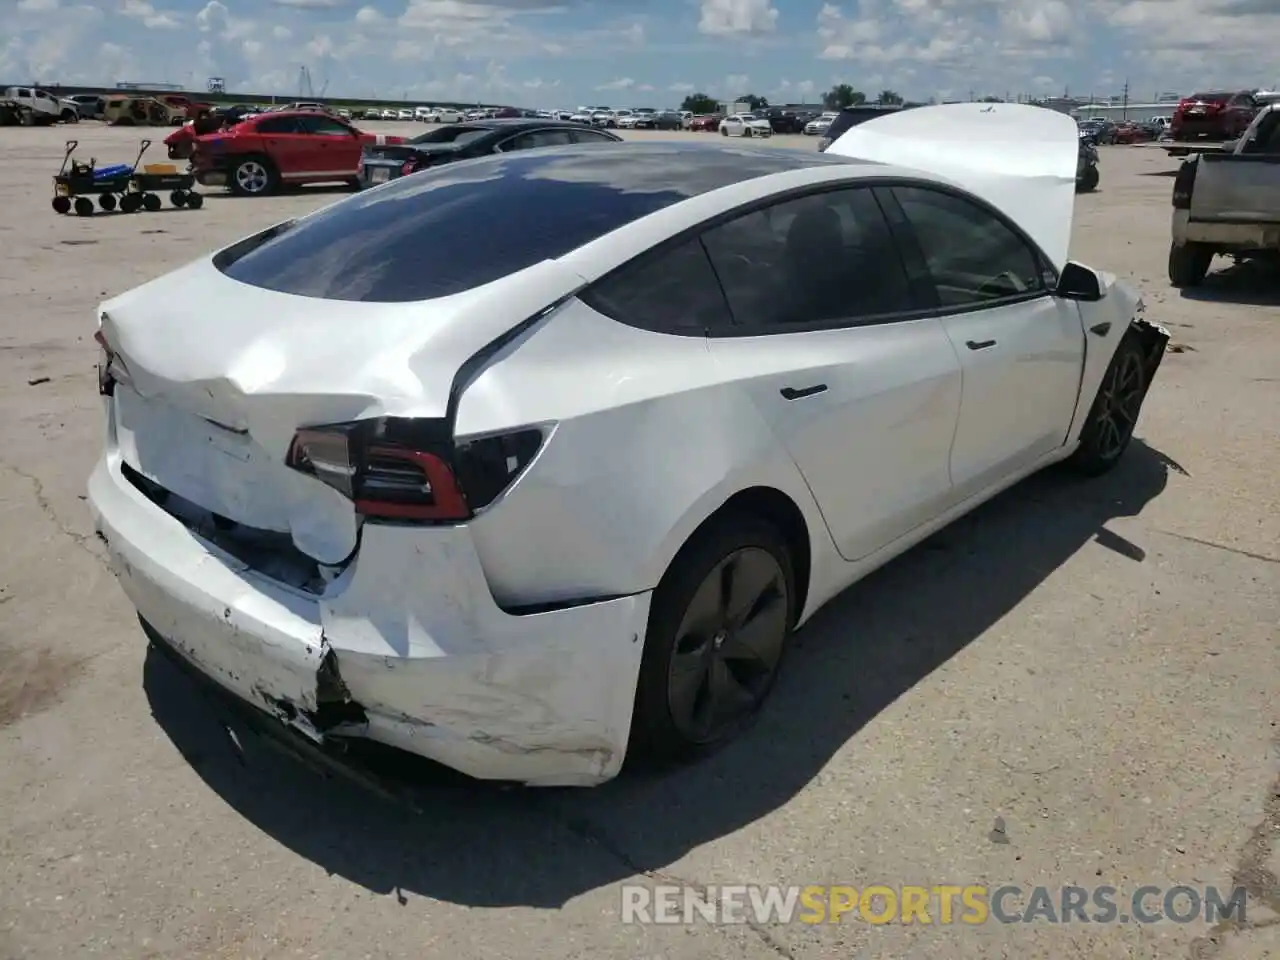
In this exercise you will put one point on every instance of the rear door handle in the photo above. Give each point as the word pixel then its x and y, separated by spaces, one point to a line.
pixel 979 344
pixel 791 393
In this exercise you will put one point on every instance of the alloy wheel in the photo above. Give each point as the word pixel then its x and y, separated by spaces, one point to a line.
pixel 251 176
pixel 1119 404
pixel 728 645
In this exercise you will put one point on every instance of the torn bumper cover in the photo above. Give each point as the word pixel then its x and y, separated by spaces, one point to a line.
pixel 404 648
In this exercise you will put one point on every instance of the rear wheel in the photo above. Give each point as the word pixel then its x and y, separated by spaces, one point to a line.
pixel 151 202
pixel 1114 413
pixel 718 627
pixel 1189 263
pixel 253 177
pixel 107 202
pixel 61 204
pixel 84 207
pixel 194 201
pixel 178 198
pixel 724 132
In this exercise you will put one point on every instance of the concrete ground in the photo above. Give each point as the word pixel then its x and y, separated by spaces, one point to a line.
pixel 1076 685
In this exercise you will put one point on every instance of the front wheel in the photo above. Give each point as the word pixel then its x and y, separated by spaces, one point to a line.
pixel 718 627
pixel 1189 264
pixel 1114 413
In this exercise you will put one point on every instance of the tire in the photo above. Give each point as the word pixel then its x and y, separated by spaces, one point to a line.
pixel 253 176
pixel 61 204
pixel 1114 412
pixel 84 207
pixel 1089 181
pixel 194 200
pixel 107 202
pixel 178 198
pixel 666 726
pixel 131 203
pixel 748 133
pixel 70 116
pixel 724 132
pixel 1189 263
pixel 355 184
pixel 151 202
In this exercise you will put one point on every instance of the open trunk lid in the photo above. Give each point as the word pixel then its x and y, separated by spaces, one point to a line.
pixel 219 375
pixel 1020 159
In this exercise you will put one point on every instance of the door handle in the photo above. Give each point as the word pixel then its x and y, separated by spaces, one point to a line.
pixel 791 393
pixel 979 344
pixel 1101 329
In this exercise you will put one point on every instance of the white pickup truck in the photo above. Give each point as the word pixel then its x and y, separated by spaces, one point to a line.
pixel 44 107
pixel 1228 202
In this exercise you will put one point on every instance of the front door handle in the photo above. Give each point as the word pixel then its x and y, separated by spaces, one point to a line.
pixel 979 344
pixel 1101 329
pixel 791 393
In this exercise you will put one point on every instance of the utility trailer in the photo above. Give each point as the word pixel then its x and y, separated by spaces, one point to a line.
pixel 119 187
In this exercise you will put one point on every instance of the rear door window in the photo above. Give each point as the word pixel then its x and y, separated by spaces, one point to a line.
pixel 537 138
pixel 824 259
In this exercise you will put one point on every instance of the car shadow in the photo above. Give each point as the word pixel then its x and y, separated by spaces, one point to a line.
pixel 484 845
pixel 1252 283
pixel 1168 174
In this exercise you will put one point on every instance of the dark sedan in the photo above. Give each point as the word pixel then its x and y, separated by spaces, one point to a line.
pixel 474 138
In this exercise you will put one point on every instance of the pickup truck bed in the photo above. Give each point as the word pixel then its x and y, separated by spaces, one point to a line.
pixel 1228 202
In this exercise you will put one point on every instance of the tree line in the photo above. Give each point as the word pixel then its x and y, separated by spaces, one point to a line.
pixel 841 95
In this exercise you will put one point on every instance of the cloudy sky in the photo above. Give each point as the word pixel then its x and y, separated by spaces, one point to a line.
pixel 563 53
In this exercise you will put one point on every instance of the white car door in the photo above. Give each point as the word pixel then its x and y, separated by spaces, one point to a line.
pixel 832 350
pixel 733 125
pixel 1021 349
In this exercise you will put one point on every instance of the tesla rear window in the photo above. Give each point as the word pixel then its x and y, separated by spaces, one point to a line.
pixel 452 229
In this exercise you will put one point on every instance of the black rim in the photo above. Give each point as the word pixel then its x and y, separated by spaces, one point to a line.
pixel 728 644
pixel 1120 401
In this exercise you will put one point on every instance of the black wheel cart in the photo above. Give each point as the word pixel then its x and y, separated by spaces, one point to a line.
pixel 75 183
pixel 145 188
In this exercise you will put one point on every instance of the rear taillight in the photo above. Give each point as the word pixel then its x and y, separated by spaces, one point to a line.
pixel 408 470
pixel 1184 183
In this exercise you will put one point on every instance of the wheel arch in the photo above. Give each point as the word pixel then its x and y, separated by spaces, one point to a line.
pixel 777 508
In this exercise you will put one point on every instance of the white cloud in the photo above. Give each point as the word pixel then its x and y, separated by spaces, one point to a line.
pixel 623 83
pixel 151 18
pixel 37 6
pixel 681 88
pixel 735 85
pixel 310 4
pixel 252 48
pixel 281 32
pixel 721 17
pixel 368 15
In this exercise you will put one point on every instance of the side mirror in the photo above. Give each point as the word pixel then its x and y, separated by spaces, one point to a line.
pixel 1078 282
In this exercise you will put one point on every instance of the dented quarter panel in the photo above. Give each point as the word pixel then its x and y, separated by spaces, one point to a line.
pixel 600 381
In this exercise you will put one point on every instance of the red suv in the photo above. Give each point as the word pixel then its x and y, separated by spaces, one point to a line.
pixel 258 155
pixel 1222 115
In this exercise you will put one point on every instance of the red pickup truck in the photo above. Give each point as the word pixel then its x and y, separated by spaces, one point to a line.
pixel 258 155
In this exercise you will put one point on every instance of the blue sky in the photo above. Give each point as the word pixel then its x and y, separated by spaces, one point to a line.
pixel 565 53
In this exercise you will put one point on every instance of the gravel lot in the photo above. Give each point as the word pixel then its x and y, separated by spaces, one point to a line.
pixel 1095 664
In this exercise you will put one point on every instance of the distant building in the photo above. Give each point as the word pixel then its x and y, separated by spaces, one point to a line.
pixel 1137 112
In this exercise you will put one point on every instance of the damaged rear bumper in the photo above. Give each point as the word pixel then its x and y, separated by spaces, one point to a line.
pixel 407 647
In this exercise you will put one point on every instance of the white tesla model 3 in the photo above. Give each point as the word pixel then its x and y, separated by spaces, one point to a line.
pixel 536 461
